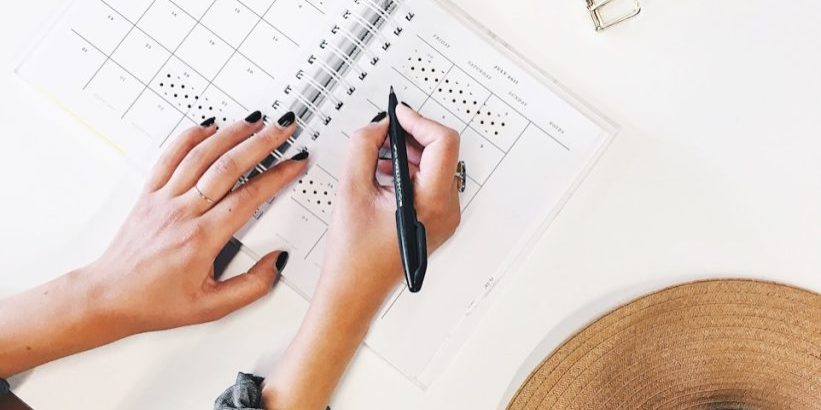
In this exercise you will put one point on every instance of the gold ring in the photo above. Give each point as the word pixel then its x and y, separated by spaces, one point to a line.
pixel 203 196
pixel 461 176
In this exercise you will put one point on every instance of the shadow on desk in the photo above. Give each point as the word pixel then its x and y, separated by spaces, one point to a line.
pixel 12 402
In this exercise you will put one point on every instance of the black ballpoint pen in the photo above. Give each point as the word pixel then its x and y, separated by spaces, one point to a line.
pixel 413 246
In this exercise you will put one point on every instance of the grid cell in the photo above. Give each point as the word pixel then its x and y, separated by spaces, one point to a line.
pixel 289 17
pixel 230 20
pixel 195 8
pixel 167 24
pixel 179 84
pixel 247 83
pixel 205 51
pixel 130 9
pixel 265 46
pixel 115 87
pixel 141 55
pixel 98 24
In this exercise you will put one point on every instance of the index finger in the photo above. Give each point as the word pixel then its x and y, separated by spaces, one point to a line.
pixel 440 153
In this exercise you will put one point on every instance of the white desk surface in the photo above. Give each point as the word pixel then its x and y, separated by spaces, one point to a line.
pixel 716 173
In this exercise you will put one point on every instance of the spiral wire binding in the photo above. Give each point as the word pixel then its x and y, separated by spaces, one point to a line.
pixel 314 90
pixel 325 92
pixel 344 57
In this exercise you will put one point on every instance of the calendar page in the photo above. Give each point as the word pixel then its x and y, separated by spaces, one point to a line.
pixel 139 72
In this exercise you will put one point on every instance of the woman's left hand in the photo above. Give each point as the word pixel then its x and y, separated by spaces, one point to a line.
pixel 158 271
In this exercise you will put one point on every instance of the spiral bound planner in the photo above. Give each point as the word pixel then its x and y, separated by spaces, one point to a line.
pixel 140 71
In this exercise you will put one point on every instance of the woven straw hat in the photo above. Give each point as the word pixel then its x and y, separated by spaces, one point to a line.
pixel 731 344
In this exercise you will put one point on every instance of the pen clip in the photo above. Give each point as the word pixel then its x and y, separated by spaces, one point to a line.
pixel 422 256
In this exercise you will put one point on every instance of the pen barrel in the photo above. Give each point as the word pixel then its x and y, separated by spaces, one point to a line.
pixel 408 249
pixel 411 233
pixel 399 155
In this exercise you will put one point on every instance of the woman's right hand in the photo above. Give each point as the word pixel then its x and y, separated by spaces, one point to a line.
pixel 362 264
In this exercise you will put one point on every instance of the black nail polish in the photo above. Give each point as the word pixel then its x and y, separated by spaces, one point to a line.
pixel 209 122
pixel 253 117
pixel 379 117
pixel 282 260
pixel 302 156
pixel 406 105
pixel 286 119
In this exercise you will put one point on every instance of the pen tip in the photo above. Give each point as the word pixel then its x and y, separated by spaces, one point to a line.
pixel 391 89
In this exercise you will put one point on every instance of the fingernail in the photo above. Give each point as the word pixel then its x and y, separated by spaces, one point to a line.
pixel 282 260
pixel 286 119
pixel 253 117
pixel 301 156
pixel 208 123
pixel 379 117
pixel 406 105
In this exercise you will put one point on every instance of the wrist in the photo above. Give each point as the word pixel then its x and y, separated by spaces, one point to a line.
pixel 99 302
pixel 355 300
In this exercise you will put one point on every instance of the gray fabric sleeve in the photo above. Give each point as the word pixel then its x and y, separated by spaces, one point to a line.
pixel 245 394
pixel 4 388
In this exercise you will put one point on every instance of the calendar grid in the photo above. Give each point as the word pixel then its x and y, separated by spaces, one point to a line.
pixel 430 94
pixel 234 52
pixel 514 109
pixel 124 69
pixel 172 55
pixel 273 26
pixel 108 56
pixel 261 19
pixel 467 125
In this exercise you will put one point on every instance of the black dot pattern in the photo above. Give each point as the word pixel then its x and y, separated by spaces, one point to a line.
pixel 317 192
pixel 204 108
pixel 178 90
pixel 460 94
pixel 425 68
pixel 497 122
pixel 491 123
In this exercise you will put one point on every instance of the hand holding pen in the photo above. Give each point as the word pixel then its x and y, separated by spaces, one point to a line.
pixel 365 211
pixel 362 265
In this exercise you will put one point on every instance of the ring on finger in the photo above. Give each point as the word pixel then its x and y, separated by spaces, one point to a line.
pixel 461 176
pixel 203 196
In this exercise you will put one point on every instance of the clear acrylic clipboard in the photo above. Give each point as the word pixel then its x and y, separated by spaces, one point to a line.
pixel 490 158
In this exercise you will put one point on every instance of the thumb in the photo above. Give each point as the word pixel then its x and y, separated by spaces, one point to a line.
pixel 363 153
pixel 242 290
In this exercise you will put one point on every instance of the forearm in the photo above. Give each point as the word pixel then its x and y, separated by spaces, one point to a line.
pixel 331 333
pixel 64 316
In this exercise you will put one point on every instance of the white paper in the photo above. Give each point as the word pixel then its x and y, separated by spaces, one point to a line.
pixel 139 72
